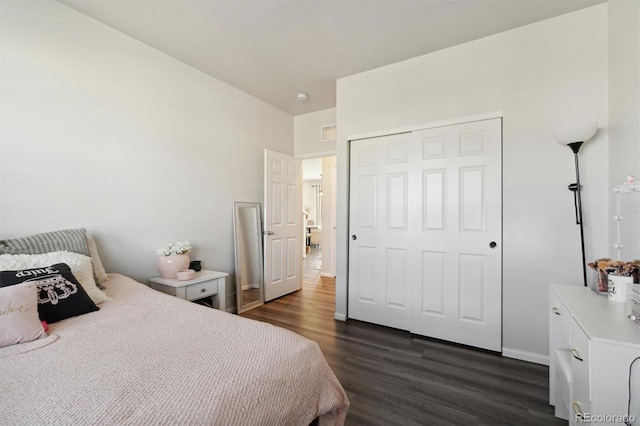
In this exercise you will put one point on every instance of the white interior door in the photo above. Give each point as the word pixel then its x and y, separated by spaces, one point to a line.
pixel 425 209
pixel 283 227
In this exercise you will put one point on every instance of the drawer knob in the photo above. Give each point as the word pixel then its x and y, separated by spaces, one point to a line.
pixel 556 311
pixel 202 290
pixel 575 354
pixel 577 410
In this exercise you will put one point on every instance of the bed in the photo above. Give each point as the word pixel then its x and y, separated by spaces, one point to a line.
pixel 149 358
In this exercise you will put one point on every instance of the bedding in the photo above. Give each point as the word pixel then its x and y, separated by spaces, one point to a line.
pixel 71 240
pixel 81 267
pixel 74 240
pixel 100 273
pixel 60 295
pixel 148 358
pixel 19 320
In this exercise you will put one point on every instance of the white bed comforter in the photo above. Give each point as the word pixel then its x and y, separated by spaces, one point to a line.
pixel 150 359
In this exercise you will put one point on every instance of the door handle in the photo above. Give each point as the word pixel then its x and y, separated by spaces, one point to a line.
pixel 268 232
pixel 354 237
pixel 493 244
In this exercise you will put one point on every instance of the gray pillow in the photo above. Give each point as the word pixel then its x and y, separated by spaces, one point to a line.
pixel 74 240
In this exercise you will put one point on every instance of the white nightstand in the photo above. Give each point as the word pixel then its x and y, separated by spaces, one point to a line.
pixel 206 283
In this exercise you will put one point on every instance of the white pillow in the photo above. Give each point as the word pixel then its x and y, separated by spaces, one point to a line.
pixel 98 269
pixel 19 320
pixel 81 267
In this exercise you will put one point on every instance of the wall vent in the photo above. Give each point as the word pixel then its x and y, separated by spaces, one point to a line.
pixel 328 133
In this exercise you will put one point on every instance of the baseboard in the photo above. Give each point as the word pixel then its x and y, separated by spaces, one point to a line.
pixel 339 317
pixel 526 356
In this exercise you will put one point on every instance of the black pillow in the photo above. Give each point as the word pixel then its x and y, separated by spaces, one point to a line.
pixel 60 295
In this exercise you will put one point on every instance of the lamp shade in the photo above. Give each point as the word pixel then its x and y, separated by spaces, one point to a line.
pixel 575 133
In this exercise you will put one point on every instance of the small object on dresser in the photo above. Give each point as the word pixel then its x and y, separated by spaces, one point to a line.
pixel 605 268
pixel 632 304
pixel 196 265
pixel 186 275
pixel 617 287
pixel 599 281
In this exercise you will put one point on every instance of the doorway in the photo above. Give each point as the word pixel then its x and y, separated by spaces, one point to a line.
pixel 319 208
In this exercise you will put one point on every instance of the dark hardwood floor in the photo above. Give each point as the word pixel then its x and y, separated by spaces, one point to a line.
pixel 395 378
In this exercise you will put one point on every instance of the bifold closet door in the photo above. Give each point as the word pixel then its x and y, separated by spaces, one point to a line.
pixel 425 223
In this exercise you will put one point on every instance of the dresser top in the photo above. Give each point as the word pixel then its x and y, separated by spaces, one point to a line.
pixel 600 318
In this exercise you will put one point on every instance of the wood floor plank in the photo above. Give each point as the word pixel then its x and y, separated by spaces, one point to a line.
pixel 393 377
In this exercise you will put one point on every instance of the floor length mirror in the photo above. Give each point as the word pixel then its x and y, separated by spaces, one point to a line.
pixel 247 230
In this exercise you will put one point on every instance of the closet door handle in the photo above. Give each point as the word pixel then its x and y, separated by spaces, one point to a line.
pixel 556 311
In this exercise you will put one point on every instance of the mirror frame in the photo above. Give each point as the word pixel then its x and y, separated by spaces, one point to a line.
pixel 239 256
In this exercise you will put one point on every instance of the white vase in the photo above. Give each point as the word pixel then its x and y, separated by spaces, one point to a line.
pixel 170 265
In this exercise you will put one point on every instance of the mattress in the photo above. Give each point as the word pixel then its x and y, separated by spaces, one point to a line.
pixel 153 359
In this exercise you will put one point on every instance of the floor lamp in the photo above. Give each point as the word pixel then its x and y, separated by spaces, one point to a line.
pixel 574 137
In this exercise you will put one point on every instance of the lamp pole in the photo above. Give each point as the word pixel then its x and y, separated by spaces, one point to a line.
pixel 576 188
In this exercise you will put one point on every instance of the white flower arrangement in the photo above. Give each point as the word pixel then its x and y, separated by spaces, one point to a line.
pixel 179 247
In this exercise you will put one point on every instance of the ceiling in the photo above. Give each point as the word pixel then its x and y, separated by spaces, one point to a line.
pixel 273 49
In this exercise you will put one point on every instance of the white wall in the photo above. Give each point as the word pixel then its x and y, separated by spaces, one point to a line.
pixel 538 77
pixel 308 145
pixel 328 216
pixel 307 134
pixel 103 132
pixel 624 97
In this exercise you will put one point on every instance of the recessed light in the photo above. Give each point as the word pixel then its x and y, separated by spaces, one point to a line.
pixel 302 96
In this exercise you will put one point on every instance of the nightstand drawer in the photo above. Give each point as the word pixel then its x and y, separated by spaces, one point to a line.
pixel 200 290
pixel 206 283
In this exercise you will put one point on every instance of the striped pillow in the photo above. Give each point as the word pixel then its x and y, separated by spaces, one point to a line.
pixel 74 240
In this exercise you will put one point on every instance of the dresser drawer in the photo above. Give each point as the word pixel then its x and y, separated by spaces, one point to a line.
pixel 559 331
pixel 580 366
pixel 563 378
pixel 560 320
pixel 203 289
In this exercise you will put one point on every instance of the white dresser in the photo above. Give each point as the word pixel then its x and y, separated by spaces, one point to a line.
pixel 591 347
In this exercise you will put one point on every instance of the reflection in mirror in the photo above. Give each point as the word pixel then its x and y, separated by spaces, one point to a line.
pixel 247 226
